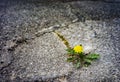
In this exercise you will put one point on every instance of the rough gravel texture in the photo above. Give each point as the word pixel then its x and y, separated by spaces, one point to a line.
pixel 100 37
pixel 27 57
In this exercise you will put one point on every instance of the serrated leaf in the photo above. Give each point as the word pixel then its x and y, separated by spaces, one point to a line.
pixel 92 56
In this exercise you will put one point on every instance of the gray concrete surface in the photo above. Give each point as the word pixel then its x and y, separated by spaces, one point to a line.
pixel 96 36
pixel 27 57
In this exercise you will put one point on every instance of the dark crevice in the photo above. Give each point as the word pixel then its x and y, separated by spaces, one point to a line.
pixel 1 62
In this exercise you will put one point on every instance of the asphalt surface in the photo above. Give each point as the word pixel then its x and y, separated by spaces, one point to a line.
pixel 27 57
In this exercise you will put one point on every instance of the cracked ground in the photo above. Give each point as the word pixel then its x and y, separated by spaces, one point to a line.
pixel 31 51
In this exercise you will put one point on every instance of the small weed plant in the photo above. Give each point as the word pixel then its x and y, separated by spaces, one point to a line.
pixel 76 55
pixel 79 58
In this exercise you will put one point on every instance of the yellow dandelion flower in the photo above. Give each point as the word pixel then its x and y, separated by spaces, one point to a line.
pixel 78 48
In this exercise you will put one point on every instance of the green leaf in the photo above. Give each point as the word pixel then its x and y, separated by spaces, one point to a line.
pixel 82 55
pixel 70 59
pixel 70 51
pixel 78 64
pixel 92 56
pixel 88 61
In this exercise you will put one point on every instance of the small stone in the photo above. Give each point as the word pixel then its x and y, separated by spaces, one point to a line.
pixel 75 20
